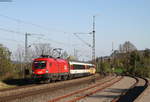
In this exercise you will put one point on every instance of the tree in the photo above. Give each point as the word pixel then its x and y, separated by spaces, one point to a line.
pixel 19 54
pixel 39 49
pixel 147 53
pixel 127 47
pixel 64 55
pixel 5 62
pixel 19 63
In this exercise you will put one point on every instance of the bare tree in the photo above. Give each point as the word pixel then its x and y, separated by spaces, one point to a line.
pixel 127 47
pixel 36 50
pixel 41 49
pixel 19 54
pixel 64 55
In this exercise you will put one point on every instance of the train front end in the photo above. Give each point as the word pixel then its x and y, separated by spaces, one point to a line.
pixel 40 69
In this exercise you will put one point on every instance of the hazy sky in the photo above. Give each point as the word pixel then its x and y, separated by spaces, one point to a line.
pixel 116 21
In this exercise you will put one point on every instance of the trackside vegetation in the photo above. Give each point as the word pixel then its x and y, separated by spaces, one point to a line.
pixel 125 61
pixel 135 62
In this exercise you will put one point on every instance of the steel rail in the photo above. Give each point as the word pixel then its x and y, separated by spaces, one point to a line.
pixel 85 89
pixel 95 91
pixel 145 88
pixel 23 87
pixel 123 93
pixel 57 86
pixel 132 87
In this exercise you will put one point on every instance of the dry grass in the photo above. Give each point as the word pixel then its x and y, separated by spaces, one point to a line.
pixel 3 85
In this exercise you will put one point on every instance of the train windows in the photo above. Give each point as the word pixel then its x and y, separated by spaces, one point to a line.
pixel 78 66
pixel 71 67
pixel 39 64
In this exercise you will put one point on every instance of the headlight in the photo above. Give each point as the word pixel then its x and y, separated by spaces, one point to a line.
pixel 46 71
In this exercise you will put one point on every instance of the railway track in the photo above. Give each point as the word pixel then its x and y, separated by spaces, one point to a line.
pixel 31 90
pixel 125 96
pixel 71 97
pixel 17 90
pixel 77 94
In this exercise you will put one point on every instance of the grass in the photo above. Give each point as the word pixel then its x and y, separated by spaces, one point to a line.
pixel 4 86
pixel 118 70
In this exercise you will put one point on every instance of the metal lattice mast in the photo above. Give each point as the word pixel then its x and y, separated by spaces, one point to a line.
pixel 93 47
pixel 26 46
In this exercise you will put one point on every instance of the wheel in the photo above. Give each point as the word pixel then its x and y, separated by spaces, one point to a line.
pixel 36 81
pixel 65 77
pixel 70 77
pixel 47 81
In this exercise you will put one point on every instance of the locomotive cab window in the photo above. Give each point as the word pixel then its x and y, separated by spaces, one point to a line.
pixel 39 64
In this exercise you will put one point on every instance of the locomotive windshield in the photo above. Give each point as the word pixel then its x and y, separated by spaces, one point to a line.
pixel 39 64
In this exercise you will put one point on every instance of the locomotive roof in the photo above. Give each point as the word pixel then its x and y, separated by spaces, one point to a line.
pixel 46 59
pixel 63 60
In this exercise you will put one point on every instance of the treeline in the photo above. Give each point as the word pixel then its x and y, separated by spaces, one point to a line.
pixel 16 66
pixel 6 66
pixel 127 63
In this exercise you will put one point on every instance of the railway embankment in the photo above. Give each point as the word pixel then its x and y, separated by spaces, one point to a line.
pixel 145 95
pixel 104 89
pixel 112 92
pixel 38 92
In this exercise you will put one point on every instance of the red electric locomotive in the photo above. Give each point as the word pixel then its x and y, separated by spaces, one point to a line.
pixel 47 68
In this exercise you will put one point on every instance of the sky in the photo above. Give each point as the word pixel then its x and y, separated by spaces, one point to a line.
pixel 56 21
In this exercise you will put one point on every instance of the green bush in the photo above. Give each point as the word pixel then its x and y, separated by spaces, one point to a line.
pixel 133 63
